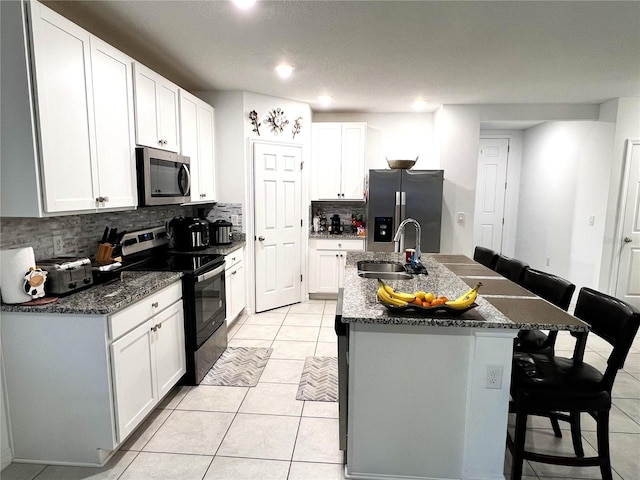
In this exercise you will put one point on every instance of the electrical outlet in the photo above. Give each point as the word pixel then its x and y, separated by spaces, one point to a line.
pixel 58 246
pixel 548 261
pixel 592 220
pixel 494 376
pixel 234 219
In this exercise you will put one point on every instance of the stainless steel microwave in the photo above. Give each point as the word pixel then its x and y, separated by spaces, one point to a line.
pixel 164 178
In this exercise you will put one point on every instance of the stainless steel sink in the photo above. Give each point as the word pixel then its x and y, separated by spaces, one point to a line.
pixel 383 270
pixel 368 266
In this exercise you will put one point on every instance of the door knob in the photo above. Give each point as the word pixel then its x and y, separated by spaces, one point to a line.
pixel 627 240
pixel 261 238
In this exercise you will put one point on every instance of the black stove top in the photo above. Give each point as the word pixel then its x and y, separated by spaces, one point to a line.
pixel 188 263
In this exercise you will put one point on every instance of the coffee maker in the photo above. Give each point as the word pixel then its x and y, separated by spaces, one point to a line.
pixel 336 226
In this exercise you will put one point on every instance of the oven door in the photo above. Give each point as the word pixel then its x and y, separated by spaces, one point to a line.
pixel 209 303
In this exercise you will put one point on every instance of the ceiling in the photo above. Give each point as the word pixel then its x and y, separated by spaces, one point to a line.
pixel 380 56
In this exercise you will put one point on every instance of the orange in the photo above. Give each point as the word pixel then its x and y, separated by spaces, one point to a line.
pixel 437 301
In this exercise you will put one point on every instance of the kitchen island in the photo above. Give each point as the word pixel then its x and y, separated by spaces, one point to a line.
pixel 428 394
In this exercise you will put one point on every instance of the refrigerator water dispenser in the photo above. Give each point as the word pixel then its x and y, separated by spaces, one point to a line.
pixel 383 229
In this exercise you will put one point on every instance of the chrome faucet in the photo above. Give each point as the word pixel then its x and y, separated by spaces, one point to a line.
pixel 400 233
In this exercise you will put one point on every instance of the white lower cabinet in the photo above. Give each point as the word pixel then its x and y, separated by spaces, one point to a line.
pixel 147 363
pixel 235 288
pixel 78 385
pixel 327 260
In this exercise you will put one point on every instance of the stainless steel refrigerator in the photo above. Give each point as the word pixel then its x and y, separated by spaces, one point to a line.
pixel 398 194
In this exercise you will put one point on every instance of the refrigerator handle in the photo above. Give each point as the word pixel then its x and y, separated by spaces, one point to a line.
pixel 396 215
pixel 403 198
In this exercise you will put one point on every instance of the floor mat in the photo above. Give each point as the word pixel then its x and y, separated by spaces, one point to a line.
pixel 319 380
pixel 238 367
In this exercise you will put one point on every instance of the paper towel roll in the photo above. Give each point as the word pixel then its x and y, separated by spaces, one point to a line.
pixel 14 264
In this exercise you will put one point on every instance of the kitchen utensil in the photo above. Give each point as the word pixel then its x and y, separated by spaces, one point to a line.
pixel 401 164
pixel 221 232
pixel 336 225
pixel 105 235
pixel 67 274
pixel 112 236
pixel 189 233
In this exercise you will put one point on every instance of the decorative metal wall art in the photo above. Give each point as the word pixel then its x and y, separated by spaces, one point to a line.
pixel 253 116
pixel 277 120
pixel 297 125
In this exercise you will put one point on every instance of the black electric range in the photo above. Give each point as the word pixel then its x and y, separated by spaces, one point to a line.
pixel 203 294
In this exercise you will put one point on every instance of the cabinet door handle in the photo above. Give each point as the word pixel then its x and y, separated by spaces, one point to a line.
pixel 233 273
pixel 154 304
pixel 154 328
pixel 159 325
pixel 261 238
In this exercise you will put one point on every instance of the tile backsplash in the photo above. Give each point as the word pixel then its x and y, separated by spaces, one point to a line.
pixel 81 233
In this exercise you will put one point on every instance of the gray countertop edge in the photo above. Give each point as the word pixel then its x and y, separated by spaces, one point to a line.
pixel 223 249
pixel 337 236
pixel 103 299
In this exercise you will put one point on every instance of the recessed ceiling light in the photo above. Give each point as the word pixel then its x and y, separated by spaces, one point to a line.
pixel 284 70
pixel 419 105
pixel 325 100
pixel 244 4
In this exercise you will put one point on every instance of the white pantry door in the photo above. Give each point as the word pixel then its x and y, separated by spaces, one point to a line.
pixel 490 191
pixel 277 196
pixel 628 282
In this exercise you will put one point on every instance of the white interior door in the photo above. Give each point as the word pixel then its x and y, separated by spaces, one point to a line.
pixel 490 192
pixel 277 198
pixel 628 281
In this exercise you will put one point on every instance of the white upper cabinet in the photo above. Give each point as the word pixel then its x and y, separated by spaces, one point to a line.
pixel 61 57
pixel 197 143
pixel 72 145
pixel 156 102
pixel 338 160
pixel 115 141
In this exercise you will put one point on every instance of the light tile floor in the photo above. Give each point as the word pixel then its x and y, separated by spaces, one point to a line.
pixel 263 432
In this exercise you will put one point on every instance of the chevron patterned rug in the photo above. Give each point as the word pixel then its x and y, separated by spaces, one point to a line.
pixel 238 367
pixel 319 380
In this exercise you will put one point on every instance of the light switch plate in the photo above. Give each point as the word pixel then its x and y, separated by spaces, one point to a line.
pixel 58 245
pixel 460 217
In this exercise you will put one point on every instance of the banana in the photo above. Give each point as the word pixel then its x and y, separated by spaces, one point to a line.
pixel 466 299
pixel 384 297
pixel 405 297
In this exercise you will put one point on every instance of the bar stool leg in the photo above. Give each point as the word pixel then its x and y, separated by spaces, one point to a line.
pixel 519 438
pixel 576 434
pixel 602 422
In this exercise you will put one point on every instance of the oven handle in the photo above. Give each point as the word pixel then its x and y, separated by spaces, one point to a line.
pixel 212 273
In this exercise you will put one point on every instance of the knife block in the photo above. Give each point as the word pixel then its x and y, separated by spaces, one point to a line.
pixel 104 254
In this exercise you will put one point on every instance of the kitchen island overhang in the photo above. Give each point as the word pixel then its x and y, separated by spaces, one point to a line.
pixel 419 400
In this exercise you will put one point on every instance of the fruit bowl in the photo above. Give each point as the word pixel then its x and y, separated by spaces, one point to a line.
pixel 437 310
pixel 401 164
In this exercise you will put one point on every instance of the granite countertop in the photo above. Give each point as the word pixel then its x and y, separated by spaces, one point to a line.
pixel 337 236
pixel 106 298
pixel 223 249
pixel 360 304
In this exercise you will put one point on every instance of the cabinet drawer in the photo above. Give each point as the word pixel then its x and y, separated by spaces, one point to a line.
pixel 234 257
pixel 338 244
pixel 133 315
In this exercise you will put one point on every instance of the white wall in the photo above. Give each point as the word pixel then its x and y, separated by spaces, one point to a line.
pixel 458 131
pixel 564 182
